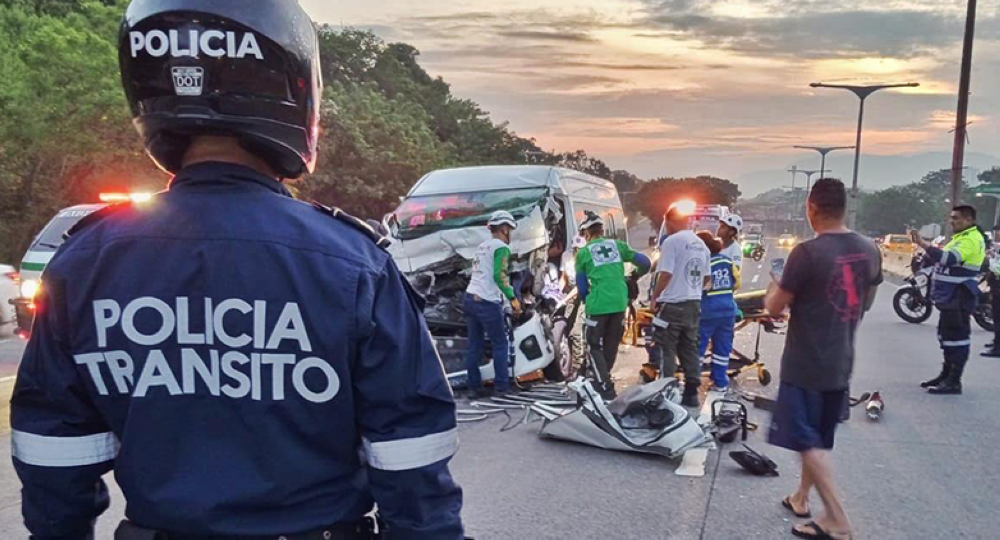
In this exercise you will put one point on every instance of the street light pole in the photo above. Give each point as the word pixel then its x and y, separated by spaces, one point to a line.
pixel 823 151
pixel 809 178
pixel 862 92
pixel 962 115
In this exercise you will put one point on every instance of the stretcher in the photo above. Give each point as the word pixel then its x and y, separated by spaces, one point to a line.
pixel 750 304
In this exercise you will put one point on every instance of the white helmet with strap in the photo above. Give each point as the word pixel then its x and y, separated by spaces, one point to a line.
pixel 735 222
pixel 502 217
pixel 590 219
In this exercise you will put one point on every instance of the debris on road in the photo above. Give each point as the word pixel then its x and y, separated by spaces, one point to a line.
pixel 645 419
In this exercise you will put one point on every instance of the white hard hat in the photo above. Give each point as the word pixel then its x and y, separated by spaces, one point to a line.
pixel 502 217
pixel 579 242
pixel 735 222
pixel 591 220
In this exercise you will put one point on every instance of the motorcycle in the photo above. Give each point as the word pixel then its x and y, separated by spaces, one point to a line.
pixel 912 302
pixel 754 250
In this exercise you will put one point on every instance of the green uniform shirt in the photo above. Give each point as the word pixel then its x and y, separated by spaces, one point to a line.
pixel 603 261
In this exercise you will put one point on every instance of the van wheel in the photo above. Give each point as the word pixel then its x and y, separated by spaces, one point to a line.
pixel 567 359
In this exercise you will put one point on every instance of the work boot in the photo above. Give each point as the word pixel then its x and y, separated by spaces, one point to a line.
pixel 952 384
pixel 482 393
pixel 990 353
pixel 945 368
pixel 690 398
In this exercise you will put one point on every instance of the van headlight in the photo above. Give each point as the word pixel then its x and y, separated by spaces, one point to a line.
pixel 30 288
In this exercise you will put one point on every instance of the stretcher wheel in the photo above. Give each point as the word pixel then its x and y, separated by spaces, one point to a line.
pixel 764 376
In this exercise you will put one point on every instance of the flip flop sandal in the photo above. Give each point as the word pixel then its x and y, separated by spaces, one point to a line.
pixel 820 533
pixel 787 503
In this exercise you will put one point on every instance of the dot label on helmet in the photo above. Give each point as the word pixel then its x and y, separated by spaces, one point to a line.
pixel 188 81
pixel 158 43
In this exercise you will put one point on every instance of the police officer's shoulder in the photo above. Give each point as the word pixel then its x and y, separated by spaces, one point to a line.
pixel 355 223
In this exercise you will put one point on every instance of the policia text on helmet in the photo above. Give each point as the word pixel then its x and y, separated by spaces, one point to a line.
pixel 192 68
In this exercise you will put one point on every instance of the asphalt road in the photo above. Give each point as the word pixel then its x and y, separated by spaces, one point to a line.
pixel 925 471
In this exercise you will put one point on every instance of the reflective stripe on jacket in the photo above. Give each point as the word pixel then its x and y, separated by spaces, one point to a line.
pixel 958 264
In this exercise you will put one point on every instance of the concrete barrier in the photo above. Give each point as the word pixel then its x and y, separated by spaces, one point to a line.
pixel 896 263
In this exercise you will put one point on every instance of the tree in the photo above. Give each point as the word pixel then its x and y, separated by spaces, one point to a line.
pixel 991 176
pixel 655 197
pixel 921 203
pixel 65 124
pixel 373 149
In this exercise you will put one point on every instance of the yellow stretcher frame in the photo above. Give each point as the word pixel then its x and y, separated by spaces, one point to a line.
pixel 640 319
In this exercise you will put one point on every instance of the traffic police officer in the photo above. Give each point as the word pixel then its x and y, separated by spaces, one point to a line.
pixel 248 365
pixel 955 292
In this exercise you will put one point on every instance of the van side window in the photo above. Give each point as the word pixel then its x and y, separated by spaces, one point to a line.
pixel 614 223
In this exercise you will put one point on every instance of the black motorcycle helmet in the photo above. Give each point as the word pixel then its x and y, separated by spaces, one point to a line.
pixel 223 67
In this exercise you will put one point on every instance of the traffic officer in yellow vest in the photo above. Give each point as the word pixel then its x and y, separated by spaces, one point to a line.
pixel 955 292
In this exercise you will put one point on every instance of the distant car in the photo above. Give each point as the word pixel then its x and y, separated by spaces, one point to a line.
pixel 9 280
pixel 787 241
pixel 897 243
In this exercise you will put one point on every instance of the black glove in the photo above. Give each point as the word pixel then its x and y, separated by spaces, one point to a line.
pixel 633 287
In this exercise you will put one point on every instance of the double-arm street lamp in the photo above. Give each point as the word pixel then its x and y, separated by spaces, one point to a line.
pixel 862 92
pixel 809 177
pixel 823 151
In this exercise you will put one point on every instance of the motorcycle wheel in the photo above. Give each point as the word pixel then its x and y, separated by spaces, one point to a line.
pixel 910 305
pixel 984 317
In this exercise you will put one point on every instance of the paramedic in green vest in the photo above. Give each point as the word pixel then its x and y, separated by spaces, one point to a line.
pixel 955 292
pixel 601 282
pixel 489 290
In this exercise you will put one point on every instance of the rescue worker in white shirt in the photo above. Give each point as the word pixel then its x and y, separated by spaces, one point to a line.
pixel 484 305
pixel 730 228
pixel 683 275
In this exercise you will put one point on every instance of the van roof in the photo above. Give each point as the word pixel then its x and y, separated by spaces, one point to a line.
pixel 470 179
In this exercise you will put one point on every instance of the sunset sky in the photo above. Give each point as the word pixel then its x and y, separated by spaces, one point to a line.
pixel 701 86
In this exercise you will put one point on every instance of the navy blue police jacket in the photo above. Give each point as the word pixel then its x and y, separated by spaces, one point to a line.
pixel 245 363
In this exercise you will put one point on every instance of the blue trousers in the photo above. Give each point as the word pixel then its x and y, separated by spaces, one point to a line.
pixel 720 330
pixel 486 319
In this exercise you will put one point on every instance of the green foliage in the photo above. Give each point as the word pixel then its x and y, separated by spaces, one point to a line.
pixel 921 203
pixel 374 148
pixel 991 176
pixel 66 133
pixel 65 124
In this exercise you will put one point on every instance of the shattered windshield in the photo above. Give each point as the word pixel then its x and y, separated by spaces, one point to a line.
pixel 420 216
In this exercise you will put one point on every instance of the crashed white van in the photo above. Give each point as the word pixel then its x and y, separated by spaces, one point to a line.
pixel 441 222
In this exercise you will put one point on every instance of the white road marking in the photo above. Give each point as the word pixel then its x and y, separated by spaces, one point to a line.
pixel 8 379
pixel 755 279
pixel 693 463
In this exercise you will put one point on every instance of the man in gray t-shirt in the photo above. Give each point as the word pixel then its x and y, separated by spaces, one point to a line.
pixel 682 275
pixel 829 283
